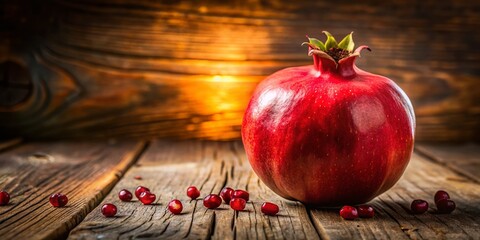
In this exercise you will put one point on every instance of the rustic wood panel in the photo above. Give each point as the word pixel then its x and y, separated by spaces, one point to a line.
pixel 168 168
pixel 111 68
pixel 463 158
pixel 85 172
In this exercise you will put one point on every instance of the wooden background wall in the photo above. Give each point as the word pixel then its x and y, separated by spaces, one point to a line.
pixel 185 69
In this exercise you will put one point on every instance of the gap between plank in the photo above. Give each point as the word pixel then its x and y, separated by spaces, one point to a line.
pixel 135 155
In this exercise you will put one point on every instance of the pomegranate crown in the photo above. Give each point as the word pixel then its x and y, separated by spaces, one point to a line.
pixel 332 50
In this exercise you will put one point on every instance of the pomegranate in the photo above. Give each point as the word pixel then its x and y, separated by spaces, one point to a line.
pixel 193 192
pixel 238 204
pixel 109 210
pixel 4 198
pixel 419 206
pixel 226 194
pixel 365 211
pixel 440 194
pixel 58 200
pixel 348 213
pixel 329 134
pixel 212 201
pixel 175 206
pixel 269 208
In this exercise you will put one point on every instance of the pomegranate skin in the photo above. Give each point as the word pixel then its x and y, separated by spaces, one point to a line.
pixel 328 136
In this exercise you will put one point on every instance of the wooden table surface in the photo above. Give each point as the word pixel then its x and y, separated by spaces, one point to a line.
pixel 92 173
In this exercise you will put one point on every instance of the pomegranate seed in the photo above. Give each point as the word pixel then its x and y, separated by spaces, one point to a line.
pixel 175 206
pixel 238 204
pixel 109 210
pixel 349 213
pixel 140 190
pixel 269 208
pixel 365 211
pixel 212 201
pixel 138 177
pixel 440 194
pixel 226 194
pixel 4 198
pixel 125 195
pixel 419 206
pixel 193 193
pixel 58 200
pixel 445 205
pixel 241 194
pixel 147 198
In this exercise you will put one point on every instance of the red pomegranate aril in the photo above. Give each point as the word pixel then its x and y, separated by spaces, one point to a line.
pixel 241 194
pixel 193 192
pixel 238 204
pixel 365 211
pixel 109 210
pixel 140 190
pixel 147 198
pixel 125 195
pixel 4 198
pixel 269 208
pixel 138 177
pixel 58 200
pixel 419 206
pixel 445 206
pixel 349 213
pixel 226 194
pixel 212 201
pixel 175 206
pixel 440 194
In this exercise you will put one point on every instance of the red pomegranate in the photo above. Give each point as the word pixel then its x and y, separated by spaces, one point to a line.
pixel 329 134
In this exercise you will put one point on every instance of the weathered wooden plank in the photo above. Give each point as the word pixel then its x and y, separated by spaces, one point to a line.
pixel 463 158
pixel 114 68
pixel 9 143
pixel 168 169
pixel 85 172
pixel 393 219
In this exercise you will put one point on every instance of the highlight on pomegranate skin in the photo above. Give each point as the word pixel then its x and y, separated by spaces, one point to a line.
pixel 328 124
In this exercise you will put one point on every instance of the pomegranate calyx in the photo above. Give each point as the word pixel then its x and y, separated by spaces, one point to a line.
pixel 331 50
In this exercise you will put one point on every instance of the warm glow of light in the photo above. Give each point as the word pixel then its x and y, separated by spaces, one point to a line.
pixel 223 79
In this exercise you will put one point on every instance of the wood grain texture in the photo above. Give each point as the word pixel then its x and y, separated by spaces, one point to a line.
pixel 463 158
pixel 393 219
pixel 168 168
pixel 177 69
pixel 85 172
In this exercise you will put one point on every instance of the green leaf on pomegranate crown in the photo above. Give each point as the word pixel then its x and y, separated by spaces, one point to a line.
pixel 347 43
pixel 331 42
pixel 319 44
